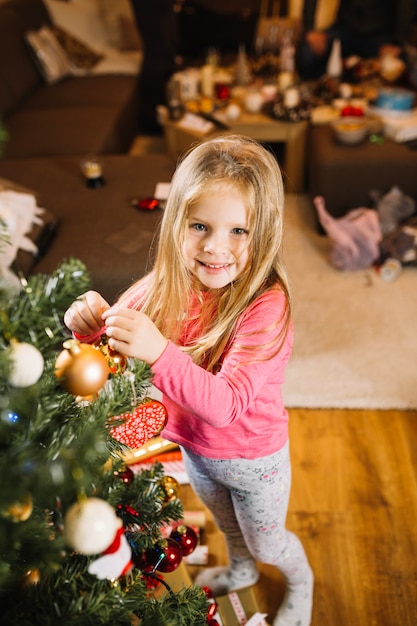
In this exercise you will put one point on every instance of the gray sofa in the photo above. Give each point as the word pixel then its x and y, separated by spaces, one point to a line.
pixel 51 128
pixel 77 115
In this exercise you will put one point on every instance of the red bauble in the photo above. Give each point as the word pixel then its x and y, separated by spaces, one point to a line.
pixel 126 476
pixel 147 420
pixel 166 557
pixel 142 562
pixel 186 537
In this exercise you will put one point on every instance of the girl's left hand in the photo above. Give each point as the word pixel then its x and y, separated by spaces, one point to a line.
pixel 133 334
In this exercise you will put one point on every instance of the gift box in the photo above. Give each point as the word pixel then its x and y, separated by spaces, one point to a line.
pixel 239 608
pixel 176 580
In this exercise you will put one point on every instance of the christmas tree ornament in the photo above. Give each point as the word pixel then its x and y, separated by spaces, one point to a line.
pixel 90 526
pixel 116 361
pixel 166 556
pixel 172 487
pixel 186 537
pixel 126 476
pixel 32 577
pixel 81 369
pixel 26 364
pixel 20 511
pixel 144 422
pixel 116 560
pixel 126 508
pixel 142 562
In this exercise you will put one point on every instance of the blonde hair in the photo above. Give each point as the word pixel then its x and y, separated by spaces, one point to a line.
pixel 245 165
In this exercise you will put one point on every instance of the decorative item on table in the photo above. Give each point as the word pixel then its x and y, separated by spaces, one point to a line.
pixel 253 101
pixel 233 112
pixel 351 130
pixel 350 107
pixel 243 74
pixel 266 67
pixel 334 67
pixel 92 168
pixel 394 99
pixel 223 80
pixel 289 106
pixel 174 99
pixel 145 204
pixel 391 68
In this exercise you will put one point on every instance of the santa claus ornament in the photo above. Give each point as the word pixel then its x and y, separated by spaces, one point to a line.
pixel 92 527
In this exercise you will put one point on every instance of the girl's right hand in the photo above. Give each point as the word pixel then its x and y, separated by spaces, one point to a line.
pixel 84 316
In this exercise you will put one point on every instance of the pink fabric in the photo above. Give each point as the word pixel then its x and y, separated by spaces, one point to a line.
pixel 238 412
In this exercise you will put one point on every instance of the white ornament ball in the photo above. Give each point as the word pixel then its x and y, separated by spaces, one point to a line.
pixel 90 526
pixel 27 364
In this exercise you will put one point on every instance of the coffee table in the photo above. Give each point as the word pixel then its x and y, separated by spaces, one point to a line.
pixel 178 139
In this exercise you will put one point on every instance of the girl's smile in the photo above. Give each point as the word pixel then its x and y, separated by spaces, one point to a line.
pixel 216 244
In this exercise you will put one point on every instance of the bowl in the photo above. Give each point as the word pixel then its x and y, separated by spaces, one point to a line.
pixel 351 130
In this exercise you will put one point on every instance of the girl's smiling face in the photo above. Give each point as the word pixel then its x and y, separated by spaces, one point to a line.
pixel 216 246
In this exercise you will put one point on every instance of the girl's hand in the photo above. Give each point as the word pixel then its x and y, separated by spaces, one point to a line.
pixel 84 316
pixel 133 334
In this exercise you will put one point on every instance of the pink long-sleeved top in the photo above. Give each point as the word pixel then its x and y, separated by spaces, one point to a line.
pixel 237 412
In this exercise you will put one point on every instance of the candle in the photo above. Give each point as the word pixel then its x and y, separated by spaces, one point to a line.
pixel 291 97
pixel 207 83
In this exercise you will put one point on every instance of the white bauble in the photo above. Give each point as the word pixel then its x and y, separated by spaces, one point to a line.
pixel 27 364
pixel 90 526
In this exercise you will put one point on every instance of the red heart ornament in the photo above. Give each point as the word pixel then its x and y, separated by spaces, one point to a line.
pixel 145 421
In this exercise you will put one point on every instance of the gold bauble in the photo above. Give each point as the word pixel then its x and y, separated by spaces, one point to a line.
pixel 171 486
pixel 32 577
pixel 117 362
pixel 81 369
pixel 22 510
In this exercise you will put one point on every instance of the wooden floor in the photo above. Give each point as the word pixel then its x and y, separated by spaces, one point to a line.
pixel 354 506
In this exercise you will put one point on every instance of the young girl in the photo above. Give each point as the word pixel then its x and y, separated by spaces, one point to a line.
pixel 213 321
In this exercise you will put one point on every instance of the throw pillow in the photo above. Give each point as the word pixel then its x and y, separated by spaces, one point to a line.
pixel 81 18
pixel 120 22
pixel 49 55
pixel 81 56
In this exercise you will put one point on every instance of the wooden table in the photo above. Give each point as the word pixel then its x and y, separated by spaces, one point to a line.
pixel 258 126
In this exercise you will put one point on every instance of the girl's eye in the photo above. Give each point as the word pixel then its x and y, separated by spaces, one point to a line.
pixel 239 231
pixel 199 227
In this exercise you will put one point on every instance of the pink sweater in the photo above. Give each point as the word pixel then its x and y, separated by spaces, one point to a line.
pixel 238 412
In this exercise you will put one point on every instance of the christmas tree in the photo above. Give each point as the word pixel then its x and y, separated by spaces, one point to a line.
pixel 81 534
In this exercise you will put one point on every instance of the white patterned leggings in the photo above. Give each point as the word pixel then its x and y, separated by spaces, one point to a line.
pixel 249 501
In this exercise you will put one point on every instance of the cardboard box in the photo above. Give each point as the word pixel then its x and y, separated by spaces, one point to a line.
pixel 239 608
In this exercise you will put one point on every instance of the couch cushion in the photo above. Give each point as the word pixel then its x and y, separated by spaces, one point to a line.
pixel 67 131
pixel 101 90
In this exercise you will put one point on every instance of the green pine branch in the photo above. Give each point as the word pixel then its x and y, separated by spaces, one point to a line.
pixel 55 449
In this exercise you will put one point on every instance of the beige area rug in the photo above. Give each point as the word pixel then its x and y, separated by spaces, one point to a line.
pixel 355 342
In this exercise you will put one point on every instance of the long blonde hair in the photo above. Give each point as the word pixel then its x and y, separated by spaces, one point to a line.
pixel 244 164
